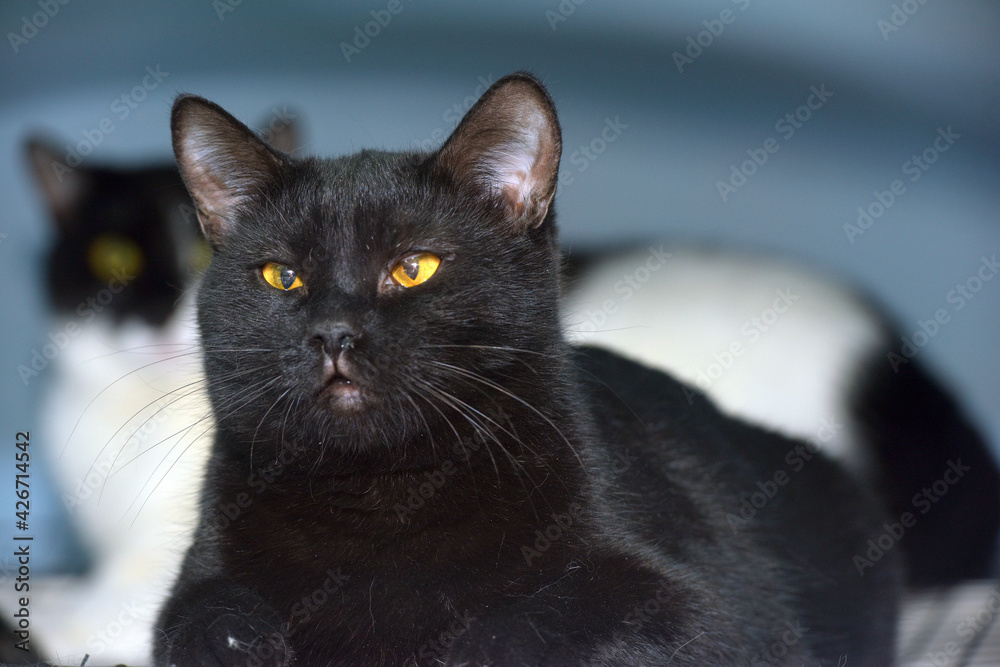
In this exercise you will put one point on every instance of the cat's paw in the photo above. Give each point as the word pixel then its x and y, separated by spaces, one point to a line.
pixel 227 641
pixel 511 640
pixel 241 631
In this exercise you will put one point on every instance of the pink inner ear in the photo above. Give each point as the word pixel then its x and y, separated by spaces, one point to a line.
pixel 521 175
pixel 213 198
pixel 514 198
pixel 221 161
pixel 217 179
pixel 211 193
pixel 509 145
pixel 514 169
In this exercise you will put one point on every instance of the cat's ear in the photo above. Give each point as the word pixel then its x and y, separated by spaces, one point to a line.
pixel 282 131
pixel 223 163
pixel 509 144
pixel 64 187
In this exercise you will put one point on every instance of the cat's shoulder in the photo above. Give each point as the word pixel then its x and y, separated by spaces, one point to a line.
pixel 604 374
pixel 634 406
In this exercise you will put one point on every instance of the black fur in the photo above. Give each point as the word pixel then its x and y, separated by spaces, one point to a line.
pixel 494 496
pixel 911 427
pixel 921 438
pixel 147 207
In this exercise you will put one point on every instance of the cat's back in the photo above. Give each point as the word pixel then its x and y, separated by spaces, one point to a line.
pixel 651 411
pixel 660 433
pixel 736 503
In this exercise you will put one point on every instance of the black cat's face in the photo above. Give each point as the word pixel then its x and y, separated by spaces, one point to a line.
pixel 354 303
pixel 127 242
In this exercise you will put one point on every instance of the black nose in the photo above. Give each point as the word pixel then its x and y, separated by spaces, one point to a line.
pixel 335 338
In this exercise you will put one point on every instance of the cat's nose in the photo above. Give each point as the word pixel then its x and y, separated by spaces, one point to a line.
pixel 335 338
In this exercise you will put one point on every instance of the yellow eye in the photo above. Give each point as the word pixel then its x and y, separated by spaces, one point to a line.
pixel 415 269
pixel 281 277
pixel 201 255
pixel 110 256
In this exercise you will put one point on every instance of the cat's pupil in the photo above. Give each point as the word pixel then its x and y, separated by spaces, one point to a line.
pixel 411 267
pixel 287 277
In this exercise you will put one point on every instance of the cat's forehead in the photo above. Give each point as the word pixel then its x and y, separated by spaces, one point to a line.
pixel 366 202
pixel 360 177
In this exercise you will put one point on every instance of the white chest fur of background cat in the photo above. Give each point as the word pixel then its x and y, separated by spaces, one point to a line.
pixel 131 438
pixel 767 341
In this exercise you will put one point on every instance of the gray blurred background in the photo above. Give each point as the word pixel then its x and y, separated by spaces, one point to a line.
pixel 898 72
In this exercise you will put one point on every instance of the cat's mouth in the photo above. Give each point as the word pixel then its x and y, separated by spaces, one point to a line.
pixel 340 383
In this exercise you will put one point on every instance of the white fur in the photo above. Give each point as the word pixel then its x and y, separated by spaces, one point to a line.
pixel 133 494
pixel 696 304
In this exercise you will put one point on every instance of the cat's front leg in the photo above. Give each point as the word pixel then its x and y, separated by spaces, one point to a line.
pixel 586 634
pixel 583 626
pixel 219 624
pixel 523 636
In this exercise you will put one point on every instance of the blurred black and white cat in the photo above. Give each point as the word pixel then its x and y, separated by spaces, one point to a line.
pixel 123 420
pixel 804 354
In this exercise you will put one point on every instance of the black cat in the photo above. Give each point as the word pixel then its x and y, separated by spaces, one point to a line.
pixel 412 466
